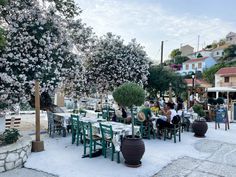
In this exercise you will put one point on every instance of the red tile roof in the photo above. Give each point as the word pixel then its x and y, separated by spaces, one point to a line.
pixel 227 71
pixel 196 60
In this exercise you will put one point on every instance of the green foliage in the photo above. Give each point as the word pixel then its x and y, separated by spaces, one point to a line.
pixel 230 52
pixel 2 39
pixel 197 108
pixel 67 7
pixel 160 78
pixel 212 101
pixel 129 94
pixel 220 100
pixel 209 74
pixel 3 2
pixel 180 59
pixel 174 53
pixel 11 136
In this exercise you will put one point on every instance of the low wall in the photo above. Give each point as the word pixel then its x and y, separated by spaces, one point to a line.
pixel 15 155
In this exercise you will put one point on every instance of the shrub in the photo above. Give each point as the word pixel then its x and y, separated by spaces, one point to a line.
pixel 11 136
pixel 129 94
pixel 220 100
pixel 197 108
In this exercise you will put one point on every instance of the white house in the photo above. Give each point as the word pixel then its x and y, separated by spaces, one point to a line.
pixel 218 52
pixel 197 64
pixel 203 53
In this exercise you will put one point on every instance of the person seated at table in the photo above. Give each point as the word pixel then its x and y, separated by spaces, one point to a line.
pixel 118 112
pixel 148 115
pixel 170 113
pixel 125 115
pixel 155 108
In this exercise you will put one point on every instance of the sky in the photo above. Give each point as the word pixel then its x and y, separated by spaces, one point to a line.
pixel 176 22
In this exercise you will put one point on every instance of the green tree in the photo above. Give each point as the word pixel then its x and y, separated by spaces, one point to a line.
pixel 174 53
pixel 209 74
pixel 180 59
pixel 160 78
pixel 229 53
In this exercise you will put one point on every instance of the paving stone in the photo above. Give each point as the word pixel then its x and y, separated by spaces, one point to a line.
pixel 208 146
pixel 201 174
pixel 2 169
pixel 217 169
pixel 226 154
pixel 23 172
pixel 12 157
pixel 10 165
pixel 187 163
pixel 173 170
pixel 3 156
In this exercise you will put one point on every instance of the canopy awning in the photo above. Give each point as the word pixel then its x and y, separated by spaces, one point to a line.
pixel 221 89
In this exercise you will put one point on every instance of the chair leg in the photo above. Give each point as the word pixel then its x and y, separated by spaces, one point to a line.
pixel 118 157
pixel 165 134
pixel 90 148
pixel 84 147
pixel 175 135
pixel 179 135
pixel 112 152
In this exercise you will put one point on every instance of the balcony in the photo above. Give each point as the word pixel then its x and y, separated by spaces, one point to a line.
pixel 226 84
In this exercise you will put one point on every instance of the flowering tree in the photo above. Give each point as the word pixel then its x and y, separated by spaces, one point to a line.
pixel 114 63
pixel 37 47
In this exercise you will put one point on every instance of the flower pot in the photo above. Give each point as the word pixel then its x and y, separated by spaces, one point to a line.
pixel 132 150
pixel 199 127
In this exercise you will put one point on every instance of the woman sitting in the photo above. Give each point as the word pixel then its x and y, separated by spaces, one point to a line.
pixel 155 108
pixel 170 113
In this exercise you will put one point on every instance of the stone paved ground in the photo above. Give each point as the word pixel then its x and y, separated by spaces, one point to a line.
pixel 25 172
pixel 221 162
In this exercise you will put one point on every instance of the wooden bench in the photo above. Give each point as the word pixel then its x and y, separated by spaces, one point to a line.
pixel 13 122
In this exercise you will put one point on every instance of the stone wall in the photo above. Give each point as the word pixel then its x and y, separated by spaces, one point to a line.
pixel 15 155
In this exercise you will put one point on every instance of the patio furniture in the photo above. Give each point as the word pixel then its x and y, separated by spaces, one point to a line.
pixel 76 129
pixel 174 129
pixel 53 125
pixel 89 139
pixel 107 143
pixel 82 113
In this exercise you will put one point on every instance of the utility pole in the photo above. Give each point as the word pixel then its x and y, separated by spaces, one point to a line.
pixel 162 45
pixel 198 41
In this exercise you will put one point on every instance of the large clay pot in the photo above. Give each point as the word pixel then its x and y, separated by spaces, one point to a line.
pixel 199 128
pixel 132 150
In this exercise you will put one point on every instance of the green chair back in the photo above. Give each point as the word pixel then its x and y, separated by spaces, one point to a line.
pixel 82 113
pixel 106 131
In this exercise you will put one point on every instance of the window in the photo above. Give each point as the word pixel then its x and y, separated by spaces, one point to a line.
pixel 226 79
pixel 217 53
pixel 230 39
pixel 193 66
pixel 199 65
pixel 223 53
pixel 187 67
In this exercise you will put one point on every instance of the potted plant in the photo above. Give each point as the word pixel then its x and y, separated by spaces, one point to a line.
pixel 199 125
pixel 132 148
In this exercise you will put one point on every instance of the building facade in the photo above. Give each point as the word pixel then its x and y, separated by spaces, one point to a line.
pixel 226 77
pixel 231 38
pixel 197 65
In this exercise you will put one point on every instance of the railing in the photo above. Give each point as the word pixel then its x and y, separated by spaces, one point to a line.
pixel 226 84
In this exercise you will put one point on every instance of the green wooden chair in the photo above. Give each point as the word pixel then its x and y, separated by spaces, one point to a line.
pixel 99 115
pixel 145 131
pixel 75 129
pixel 107 136
pixel 173 131
pixel 90 141
pixel 82 113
